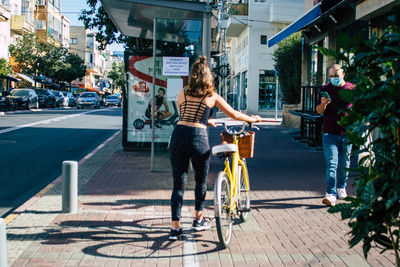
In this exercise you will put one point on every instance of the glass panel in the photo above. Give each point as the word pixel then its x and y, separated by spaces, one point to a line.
pixel 179 44
pixel 267 90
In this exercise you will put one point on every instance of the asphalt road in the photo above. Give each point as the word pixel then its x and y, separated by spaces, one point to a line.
pixel 33 146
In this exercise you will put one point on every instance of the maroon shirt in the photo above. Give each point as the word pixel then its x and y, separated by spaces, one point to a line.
pixel 331 114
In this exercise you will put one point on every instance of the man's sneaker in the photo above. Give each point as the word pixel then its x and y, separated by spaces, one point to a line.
pixel 176 234
pixel 201 225
pixel 341 193
pixel 329 200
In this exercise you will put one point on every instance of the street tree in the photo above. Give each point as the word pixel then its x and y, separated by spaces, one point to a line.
pixel 96 18
pixel 34 58
pixel 28 53
pixel 117 74
pixel 287 59
pixel 71 69
pixel 5 69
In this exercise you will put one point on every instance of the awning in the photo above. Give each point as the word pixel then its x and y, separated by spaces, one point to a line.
pixel 135 17
pixel 12 78
pixel 297 25
pixel 26 78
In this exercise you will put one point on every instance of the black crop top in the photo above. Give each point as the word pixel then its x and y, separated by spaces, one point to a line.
pixel 194 111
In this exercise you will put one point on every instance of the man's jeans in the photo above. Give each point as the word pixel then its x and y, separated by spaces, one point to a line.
pixel 337 158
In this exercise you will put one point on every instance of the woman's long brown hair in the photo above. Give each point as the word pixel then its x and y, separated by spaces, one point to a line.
pixel 201 81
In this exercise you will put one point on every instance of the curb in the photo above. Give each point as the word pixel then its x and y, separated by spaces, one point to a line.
pixel 32 110
pixel 9 218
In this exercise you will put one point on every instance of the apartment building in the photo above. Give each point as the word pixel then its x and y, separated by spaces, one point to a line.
pixel 5 37
pixel 21 18
pixel 252 85
pixel 83 43
pixel 49 21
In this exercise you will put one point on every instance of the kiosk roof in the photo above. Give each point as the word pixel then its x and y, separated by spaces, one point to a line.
pixel 135 17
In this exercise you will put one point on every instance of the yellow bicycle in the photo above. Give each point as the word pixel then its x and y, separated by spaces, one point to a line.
pixel 232 186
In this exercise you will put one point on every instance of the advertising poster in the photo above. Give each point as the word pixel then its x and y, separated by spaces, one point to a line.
pixel 140 95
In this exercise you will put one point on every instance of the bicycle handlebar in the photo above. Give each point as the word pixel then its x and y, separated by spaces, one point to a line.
pixel 226 130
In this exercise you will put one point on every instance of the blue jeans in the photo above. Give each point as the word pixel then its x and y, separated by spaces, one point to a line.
pixel 337 152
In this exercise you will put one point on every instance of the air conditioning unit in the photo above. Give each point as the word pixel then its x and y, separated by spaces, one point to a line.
pixel 41 2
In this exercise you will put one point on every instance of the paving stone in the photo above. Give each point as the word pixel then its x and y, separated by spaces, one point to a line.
pixel 124 216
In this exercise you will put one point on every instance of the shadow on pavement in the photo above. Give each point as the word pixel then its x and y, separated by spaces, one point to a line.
pixel 140 203
pixel 278 203
pixel 120 239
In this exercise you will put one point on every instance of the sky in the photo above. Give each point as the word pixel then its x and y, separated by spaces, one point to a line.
pixel 72 10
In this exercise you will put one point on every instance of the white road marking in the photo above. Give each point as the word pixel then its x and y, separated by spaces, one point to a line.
pixel 47 121
pixel 190 251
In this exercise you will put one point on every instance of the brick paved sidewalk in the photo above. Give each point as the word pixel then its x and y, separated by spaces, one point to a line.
pixel 124 216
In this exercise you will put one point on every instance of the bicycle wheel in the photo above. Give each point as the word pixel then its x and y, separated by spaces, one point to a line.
pixel 244 200
pixel 223 219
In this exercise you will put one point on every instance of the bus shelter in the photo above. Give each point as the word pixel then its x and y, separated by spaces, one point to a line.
pixel 180 32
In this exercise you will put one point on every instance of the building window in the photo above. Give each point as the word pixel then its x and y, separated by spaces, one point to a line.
pixel 263 39
pixel 74 41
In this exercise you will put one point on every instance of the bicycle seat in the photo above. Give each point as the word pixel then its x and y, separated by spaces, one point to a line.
pixel 228 148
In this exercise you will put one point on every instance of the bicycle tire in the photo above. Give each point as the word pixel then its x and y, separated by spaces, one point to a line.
pixel 223 219
pixel 244 200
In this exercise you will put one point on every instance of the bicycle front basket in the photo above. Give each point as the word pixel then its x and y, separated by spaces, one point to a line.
pixel 246 143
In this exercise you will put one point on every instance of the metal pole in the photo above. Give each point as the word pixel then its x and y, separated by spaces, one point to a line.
pixel 70 186
pixel 154 93
pixel 206 47
pixel 3 243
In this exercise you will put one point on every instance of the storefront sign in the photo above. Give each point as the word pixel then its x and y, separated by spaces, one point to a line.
pixel 175 66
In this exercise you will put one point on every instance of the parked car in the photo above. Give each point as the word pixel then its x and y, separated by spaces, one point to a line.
pixel 69 99
pixel 5 104
pixel 24 98
pixel 88 99
pixel 46 98
pixel 112 100
pixel 60 98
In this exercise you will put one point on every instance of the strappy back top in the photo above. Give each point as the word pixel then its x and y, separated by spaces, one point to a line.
pixel 194 111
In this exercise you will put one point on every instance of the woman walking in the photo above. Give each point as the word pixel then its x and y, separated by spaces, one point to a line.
pixel 189 141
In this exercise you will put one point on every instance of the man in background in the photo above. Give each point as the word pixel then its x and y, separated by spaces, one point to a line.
pixel 336 146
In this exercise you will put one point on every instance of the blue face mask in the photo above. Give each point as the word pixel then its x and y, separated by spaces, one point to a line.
pixel 336 81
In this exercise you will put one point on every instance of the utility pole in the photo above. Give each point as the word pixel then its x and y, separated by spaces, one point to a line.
pixel 223 13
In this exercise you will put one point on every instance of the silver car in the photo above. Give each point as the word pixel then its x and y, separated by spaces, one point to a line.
pixel 88 99
pixel 112 100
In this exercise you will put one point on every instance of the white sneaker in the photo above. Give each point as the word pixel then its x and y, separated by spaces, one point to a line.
pixel 329 200
pixel 341 193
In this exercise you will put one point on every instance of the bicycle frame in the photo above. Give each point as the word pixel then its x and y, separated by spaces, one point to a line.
pixel 233 174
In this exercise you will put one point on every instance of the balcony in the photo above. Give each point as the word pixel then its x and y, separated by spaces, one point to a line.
pixel 285 11
pixel 19 24
pixel 237 21
pixel 4 14
pixel 240 10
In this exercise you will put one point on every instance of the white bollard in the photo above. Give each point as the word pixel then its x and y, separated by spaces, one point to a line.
pixel 70 187
pixel 3 243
